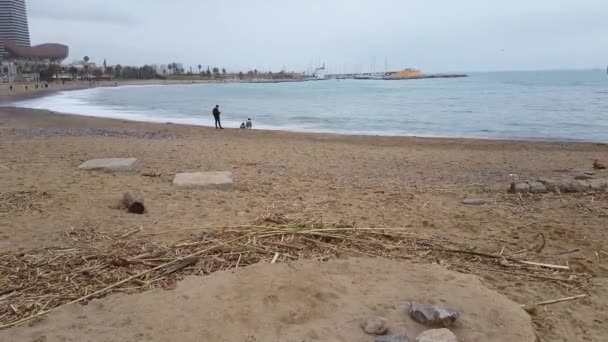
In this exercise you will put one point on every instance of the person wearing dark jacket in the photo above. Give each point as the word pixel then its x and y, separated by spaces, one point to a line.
pixel 216 116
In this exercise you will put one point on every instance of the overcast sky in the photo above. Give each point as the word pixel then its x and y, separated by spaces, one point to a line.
pixel 433 35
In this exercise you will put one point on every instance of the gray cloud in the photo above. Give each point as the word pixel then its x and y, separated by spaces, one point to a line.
pixel 434 35
pixel 86 11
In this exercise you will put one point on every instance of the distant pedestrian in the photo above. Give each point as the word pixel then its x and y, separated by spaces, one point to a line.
pixel 11 87
pixel 216 116
pixel 242 125
pixel 249 124
pixel 26 89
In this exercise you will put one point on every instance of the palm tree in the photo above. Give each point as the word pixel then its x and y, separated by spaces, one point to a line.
pixel 170 66
pixel 224 71
pixel 199 68
pixel 216 72
pixel 74 72
pixel 86 65
pixel 118 70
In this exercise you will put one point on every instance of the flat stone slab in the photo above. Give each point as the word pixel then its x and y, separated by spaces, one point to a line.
pixel 214 179
pixel 110 164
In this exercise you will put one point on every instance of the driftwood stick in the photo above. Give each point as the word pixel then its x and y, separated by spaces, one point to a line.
pixel 559 267
pixel 275 258
pixel 134 202
pixel 187 261
pixel 568 252
pixel 129 233
pixel 559 300
pixel 542 246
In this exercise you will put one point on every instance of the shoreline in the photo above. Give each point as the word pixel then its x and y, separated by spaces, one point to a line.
pixel 367 138
pixel 10 100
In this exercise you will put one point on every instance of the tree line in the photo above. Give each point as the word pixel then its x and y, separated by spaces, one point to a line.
pixel 89 71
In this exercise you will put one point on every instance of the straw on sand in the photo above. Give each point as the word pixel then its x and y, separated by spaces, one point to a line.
pixel 36 282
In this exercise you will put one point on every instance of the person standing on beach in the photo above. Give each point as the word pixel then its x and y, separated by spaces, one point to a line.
pixel 216 116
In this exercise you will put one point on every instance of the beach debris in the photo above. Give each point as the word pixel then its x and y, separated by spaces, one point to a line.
pixel 213 179
pixel 597 165
pixel 187 261
pixel 531 307
pixel 12 202
pixel 437 335
pixel 590 173
pixel 560 300
pixel 133 202
pixel 402 337
pixel 92 264
pixel 473 201
pixel 542 245
pixel 431 315
pixel 544 185
pixel 375 325
pixel 110 164
pixel 583 177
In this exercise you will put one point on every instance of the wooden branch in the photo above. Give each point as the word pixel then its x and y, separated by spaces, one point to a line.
pixel 559 300
pixel 559 267
pixel 134 203
pixel 129 233
pixel 542 246
pixel 187 261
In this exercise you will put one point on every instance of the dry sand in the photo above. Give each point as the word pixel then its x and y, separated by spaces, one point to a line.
pixel 370 181
pixel 303 301
pixel 26 90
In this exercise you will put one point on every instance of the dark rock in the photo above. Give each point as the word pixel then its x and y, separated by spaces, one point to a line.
pixel 432 315
pixel 375 325
pixel 392 338
pixel 583 177
pixel 437 335
pixel 474 201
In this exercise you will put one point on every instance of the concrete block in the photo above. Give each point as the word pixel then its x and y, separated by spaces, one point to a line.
pixel 213 179
pixel 110 164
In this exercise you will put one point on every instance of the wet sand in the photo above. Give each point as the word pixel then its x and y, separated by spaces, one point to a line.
pixel 417 183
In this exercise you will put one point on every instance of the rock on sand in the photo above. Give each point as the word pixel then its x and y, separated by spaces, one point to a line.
pixel 215 179
pixel 432 315
pixel 110 164
pixel 437 335
pixel 375 325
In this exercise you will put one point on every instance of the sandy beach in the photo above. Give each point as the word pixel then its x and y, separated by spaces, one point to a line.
pixel 365 181
pixel 20 92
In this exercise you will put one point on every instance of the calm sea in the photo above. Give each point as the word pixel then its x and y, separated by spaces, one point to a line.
pixel 552 105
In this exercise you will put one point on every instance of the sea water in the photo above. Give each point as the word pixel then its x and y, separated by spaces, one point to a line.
pixel 531 105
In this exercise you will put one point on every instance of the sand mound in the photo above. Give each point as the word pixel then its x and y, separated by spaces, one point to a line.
pixel 303 301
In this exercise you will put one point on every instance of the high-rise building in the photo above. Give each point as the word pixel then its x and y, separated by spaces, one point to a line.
pixel 13 24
